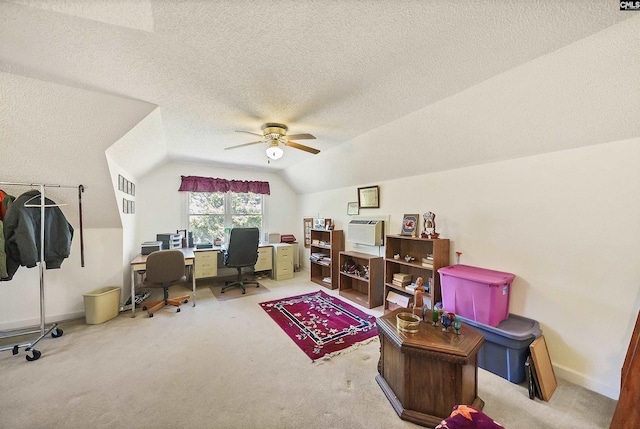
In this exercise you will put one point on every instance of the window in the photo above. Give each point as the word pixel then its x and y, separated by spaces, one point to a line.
pixel 210 213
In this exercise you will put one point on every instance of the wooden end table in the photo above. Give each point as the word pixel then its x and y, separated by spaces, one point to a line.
pixel 424 374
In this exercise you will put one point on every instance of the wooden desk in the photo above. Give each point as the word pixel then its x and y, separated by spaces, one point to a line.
pixel 425 374
pixel 139 263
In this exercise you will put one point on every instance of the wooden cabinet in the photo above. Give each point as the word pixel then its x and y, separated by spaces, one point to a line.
pixel 283 261
pixel 367 291
pixel 325 247
pixel 424 374
pixel 206 263
pixel 417 249
pixel 265 259
pixel 627 414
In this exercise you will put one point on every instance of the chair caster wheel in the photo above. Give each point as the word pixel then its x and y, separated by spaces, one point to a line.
pixel 178 310
pixel 151 315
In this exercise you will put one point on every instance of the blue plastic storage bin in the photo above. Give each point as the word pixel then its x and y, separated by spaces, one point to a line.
pixel 506 346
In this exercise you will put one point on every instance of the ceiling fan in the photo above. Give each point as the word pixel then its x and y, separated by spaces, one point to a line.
pixel 276 134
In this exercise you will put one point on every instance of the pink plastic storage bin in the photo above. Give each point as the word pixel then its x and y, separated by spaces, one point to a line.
pixel 476 293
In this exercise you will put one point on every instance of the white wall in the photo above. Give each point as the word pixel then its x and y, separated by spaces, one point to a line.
pixel 159 208
pixel 163 208
pixel 64 287
pixel 565 223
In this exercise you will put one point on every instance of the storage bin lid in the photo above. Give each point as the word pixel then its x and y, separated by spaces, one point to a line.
pixel 514 327
pixel 478 275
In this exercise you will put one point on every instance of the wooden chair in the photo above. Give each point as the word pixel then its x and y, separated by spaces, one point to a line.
pixel 164 268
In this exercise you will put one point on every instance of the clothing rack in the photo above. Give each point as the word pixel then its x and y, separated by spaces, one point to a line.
pixel 42 331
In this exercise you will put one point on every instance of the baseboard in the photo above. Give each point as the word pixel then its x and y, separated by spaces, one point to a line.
pixel 31 323
pixel 586 382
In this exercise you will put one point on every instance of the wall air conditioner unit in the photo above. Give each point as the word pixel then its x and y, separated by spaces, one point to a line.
pixel 367 232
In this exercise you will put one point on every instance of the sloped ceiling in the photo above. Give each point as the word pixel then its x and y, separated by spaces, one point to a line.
pixel 335 69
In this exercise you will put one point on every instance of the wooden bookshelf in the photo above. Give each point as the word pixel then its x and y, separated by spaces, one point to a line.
pixel 417 248
pixel 366 291
pixel 331 243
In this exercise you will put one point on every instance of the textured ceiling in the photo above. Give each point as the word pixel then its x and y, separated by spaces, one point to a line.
pixel 335 69
pixel 443 84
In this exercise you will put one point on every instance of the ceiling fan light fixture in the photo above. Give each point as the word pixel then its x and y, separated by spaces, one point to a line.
pixel 274 151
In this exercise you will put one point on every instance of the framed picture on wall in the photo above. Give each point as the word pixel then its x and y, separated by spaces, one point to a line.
pixel 368 197
pixel 352 208
pixel 308 224
pixel 410 225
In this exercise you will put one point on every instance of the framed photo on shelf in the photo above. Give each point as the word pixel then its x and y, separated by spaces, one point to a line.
pixel 322 223
pixel 352 208
pixel 368 197
pixel 410 225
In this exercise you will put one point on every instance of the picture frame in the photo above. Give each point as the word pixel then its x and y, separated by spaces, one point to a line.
pixel 322 223
pixel 369 197
pixel 307 225
pixel 352 208
pixel 410 223
pixel 120 183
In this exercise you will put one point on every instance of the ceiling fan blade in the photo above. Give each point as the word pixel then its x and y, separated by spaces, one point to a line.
pixel 241 145
pixel 302 147
pixel 248 132
pixel 301 136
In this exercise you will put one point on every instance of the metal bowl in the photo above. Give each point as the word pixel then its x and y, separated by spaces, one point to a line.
pixel 407 322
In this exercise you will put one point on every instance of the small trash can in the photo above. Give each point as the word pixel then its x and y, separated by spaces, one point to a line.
pixel 102 304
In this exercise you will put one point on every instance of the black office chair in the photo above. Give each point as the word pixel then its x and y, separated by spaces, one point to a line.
pixel 164 268
pixel 241 252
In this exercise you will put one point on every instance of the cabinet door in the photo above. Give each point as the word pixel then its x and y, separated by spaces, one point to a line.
pixel 285 253
pixel 264 262
pixel 283 261
pixel 206 264
pixel 284 270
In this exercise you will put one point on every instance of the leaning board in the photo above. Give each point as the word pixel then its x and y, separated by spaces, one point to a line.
pixel 543 367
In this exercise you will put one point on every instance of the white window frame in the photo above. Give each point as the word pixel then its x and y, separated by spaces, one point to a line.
pixel 228 216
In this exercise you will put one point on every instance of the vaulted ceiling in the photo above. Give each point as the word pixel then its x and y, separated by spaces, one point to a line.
pixel 190 73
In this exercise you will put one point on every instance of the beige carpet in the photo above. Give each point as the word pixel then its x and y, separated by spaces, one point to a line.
pixel 225 364
pixel 236 292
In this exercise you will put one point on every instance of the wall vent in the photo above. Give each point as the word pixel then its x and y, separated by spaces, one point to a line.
pixel 367 232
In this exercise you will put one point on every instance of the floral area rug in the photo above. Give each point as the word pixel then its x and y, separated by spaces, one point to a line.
pixel 320 324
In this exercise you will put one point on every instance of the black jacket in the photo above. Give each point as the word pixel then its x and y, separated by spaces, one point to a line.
pixel 22 234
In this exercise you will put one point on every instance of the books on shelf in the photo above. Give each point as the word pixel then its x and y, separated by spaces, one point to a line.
pixel 428 261
pixel 402 277
pixel 411 287
pixel 319 256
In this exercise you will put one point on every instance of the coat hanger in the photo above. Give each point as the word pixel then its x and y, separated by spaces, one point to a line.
pixel 26 203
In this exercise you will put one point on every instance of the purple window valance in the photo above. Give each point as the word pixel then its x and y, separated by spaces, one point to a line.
pixel 209 184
